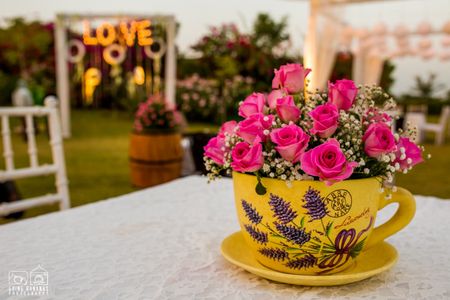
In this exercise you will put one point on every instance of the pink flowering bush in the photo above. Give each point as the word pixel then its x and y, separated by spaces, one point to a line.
pixel 157 114
pixel 293 134
pixel 206 100
pixel 198 98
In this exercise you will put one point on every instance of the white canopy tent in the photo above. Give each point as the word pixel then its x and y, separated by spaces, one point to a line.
pixel 327 30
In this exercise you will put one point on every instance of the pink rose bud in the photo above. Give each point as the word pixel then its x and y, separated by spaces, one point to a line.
pixel 291 142
pixel 328 162
pixel 273 97
pixel 342 93
pixel 408 154
pixel 287 110
pixel 378 140
pixel 291 77
pixel 325 120
pixel 228 127
pixel 254 126
pixel 215 149
pixel 253 104
pixel 247 158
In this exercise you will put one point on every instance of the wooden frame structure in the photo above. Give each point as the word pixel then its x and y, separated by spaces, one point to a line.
pixel 61 49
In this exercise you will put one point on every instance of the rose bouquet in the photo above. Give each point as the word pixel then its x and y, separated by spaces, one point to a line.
pixel 157 114
pixel 293 134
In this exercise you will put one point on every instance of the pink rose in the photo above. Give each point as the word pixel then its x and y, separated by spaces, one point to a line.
pixel 342 93
pixel 253 104
pixel 228 127
pixel 408 154
pixel 325 120
pixel 215 149
pixel 286 109
pixel 254 126
pixel 291 142
pixel 247 158
pixel 273 97
pixel 291 77
pixel 378 140
pixel 327 162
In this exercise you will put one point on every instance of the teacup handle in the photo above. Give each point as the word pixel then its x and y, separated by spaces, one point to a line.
pixel 401 218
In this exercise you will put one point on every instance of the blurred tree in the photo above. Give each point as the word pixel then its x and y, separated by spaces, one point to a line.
pixel 426 93
pixel 228 52
pixel 237 60
pixel 387 78
pixel 427 88
pixel 26 51
pixel 269 34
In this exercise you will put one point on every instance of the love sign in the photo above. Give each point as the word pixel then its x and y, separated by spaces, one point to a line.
pixel 126 33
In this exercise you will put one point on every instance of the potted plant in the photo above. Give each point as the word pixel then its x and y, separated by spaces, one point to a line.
pixel 155 150
pixel 311 170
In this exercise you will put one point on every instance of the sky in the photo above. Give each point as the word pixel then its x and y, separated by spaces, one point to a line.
pixel 195 16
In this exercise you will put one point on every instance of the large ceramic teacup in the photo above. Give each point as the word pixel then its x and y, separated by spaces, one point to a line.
pixel 312 228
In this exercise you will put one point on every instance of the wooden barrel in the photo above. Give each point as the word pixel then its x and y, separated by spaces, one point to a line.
pixel 155 158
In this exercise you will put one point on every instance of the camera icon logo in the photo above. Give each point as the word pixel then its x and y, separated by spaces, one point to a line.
pixel 18 278
pixel 28 283
pixel 38 276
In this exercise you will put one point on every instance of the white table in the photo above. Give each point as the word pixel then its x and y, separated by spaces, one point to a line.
pixel 163 243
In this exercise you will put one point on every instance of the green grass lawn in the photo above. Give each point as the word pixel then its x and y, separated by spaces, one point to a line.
pixel 97 162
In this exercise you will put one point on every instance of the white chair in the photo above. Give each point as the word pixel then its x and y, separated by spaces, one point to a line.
pixel 58 167
pixel 438 128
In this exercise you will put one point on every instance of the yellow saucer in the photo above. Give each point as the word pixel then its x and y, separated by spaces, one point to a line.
pixel 375 260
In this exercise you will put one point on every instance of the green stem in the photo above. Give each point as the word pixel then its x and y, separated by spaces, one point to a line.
pixel 270 229
pixel 325 232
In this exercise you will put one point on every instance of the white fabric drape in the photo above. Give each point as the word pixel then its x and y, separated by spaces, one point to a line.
pixel 322 42
pixel 367 66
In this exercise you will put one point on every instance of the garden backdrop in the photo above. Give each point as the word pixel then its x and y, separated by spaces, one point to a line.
pixel 228 65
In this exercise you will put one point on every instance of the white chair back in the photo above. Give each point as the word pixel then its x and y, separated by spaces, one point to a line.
pixel 445 114
pixel 57 168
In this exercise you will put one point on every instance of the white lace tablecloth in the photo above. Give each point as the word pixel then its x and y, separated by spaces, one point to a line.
pixel 163 243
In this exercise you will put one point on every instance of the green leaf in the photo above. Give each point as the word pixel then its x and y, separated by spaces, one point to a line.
pixel 328 229
pixel 260 188
pixel 299 254
pixel 292 249
pixel 302 222
pixel 276 235
pixel 357 248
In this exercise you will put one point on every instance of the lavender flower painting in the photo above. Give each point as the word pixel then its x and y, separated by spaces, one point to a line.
pixel 287 239
pixel 282 210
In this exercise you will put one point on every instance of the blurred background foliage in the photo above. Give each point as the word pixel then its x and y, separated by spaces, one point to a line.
pixel 228 64
pixel 26 51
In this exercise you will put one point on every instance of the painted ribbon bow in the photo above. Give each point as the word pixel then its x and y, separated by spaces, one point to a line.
pixel 343 244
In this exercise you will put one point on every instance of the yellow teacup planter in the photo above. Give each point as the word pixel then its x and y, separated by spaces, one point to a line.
pixel 311 228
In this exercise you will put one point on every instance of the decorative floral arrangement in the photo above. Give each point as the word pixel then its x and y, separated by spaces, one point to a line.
pixel 203 99
pixel 293 134
pixel 235 88
pixel 157 114
pixel 220 40
pixel 198 98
